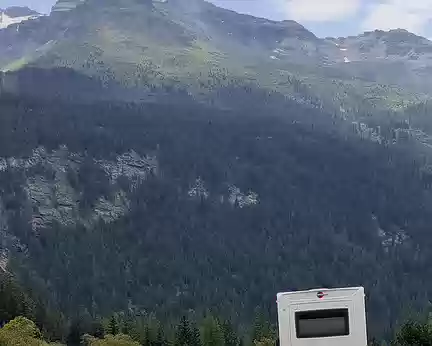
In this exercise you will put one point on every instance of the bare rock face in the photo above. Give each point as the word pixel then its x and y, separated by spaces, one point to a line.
pixel 198 190
pixel 132 166
pixel 234 196
pixel 113 209
pixel 52 200
pixel 237 197
pixel 52 196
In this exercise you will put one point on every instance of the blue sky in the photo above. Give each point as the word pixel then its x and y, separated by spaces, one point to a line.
pixel 323 17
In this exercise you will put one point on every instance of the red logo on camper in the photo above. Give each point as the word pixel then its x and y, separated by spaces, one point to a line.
pixel 321 295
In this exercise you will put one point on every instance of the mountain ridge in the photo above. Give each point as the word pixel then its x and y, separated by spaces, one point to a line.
pixel 182 44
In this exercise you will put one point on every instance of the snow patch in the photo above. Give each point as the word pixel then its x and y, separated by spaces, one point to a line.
pixel 6 21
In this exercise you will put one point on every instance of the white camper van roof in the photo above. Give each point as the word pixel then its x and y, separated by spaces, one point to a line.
pixel 328 293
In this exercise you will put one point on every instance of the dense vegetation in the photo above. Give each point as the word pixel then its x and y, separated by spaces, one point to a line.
pixel 128 329
pixel 332 210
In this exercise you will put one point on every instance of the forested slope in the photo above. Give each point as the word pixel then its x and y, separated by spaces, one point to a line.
pixel 110 207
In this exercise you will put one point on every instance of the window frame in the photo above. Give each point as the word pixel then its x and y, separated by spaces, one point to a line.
pixel 322 314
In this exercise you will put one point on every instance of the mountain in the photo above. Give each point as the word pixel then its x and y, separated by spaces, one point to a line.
pixel 17 11
pixel 377 56
pixel 183 45
pixel 144 50
pixel 171 157
pixel 16 15
pixel 391 45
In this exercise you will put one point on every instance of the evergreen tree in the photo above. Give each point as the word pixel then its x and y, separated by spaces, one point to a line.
pixel 260 328
pixel 160 337
pixel 415 334
pixel 113 326
pixel 212 333
pixel 97 329
pixel 195 337
pixel 126 326
pixel 186 335
pixel 147 338
pixel 13 301
pixel 230 336
pixel 183 332
pixel 75 333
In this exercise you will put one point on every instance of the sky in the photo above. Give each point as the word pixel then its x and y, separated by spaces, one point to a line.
pixel 323 17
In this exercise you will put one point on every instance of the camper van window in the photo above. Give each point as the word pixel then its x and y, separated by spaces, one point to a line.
pixel 322 323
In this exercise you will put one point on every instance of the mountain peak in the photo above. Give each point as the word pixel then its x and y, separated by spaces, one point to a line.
pixel 19 11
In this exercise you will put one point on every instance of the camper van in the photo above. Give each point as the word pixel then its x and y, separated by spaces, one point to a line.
pixel 322 317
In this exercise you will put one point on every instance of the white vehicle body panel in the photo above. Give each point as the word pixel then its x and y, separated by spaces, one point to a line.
pixel 322 317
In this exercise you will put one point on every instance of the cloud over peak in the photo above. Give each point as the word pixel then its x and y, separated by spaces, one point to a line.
pixel 413 15
pixel 321 11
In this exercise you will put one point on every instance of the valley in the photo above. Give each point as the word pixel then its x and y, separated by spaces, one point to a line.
pixel 167 159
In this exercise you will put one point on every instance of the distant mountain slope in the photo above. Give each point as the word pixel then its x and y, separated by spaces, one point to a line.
pixel 138 49
pixel 197 46
pixel 394 57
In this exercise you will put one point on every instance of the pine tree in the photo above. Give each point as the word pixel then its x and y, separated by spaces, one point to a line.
pixel 97 329
pixel 260 328
pixel 187 335
pixel 147 339
pixel 160 337
pixel 415 333
pixel 212 334
pixel 113 326
pixel 230 336
pixel 75 333
pixel 195 337
pixel 183 333
pixel 13 302
pixel 126 326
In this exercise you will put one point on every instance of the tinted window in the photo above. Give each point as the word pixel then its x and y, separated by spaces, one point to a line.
pixel 322 323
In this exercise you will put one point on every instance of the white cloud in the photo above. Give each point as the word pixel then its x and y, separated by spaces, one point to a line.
pixel 412 15
pixel 322 10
